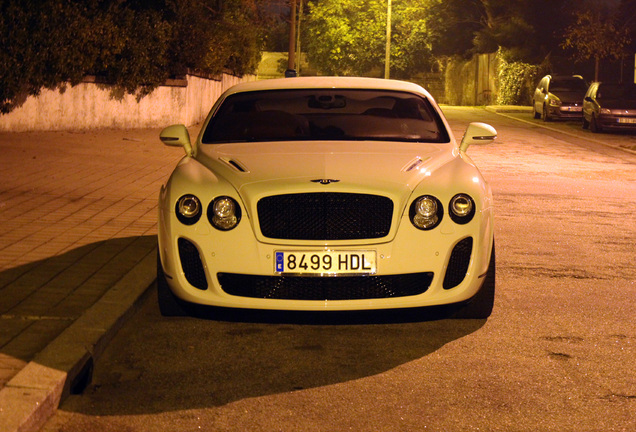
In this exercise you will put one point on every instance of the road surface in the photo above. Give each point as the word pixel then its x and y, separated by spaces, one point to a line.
pixel 558 353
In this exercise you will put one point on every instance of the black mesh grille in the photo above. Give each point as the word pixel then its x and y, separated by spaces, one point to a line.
pixel 325 216
pixel 325 288
pixel 458 263
pixel 191 264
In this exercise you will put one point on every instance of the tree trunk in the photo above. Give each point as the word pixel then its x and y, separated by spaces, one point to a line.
pixel 596 66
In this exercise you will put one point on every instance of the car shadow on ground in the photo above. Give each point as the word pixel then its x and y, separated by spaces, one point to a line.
pixel 158 364
pixel 40 299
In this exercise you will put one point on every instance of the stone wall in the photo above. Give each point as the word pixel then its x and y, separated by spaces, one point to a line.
pixel 471 82
pixel 91 105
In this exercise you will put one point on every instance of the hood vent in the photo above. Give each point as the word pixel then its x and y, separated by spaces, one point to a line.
pixel 413 164
pixel 233 163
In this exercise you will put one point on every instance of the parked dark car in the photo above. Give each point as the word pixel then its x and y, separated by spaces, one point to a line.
pixel 559 97
pixel 610 106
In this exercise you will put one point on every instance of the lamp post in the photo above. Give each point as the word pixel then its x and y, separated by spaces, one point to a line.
pixel 291 58
pixel 298 50
pixel 387 56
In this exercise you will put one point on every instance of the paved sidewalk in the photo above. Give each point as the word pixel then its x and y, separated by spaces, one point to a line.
pixel 77 250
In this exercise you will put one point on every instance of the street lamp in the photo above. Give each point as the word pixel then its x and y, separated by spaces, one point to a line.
pixel 291 58
pixel 387 56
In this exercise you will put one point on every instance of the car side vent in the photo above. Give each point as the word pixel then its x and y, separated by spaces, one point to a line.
pixel 458 263
pixel 191 264
pixel 233 163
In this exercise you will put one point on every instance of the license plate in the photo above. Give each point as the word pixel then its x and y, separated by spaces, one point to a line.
pixel 325 262
pixel 573 109
pixel 627 120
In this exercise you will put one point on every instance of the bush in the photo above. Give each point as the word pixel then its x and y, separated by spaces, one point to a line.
pixel 134 44
pixel 43 44
pixel 516 81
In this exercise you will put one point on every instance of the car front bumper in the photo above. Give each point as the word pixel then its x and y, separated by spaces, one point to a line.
pixel 617 122
pixel 566 111
pixel 415 269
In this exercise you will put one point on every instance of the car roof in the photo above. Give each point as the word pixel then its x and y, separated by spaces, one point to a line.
pixel 328 82
pixel 615 83
pixel 566 77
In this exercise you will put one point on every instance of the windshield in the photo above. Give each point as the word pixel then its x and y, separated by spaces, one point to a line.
pixel 568 85
pixel 617 91
pixel 325 114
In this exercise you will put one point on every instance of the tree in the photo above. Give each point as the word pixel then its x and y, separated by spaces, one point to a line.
pixel 524 29
pixel 333 44
pixel 452 25
pixel 133 52
pixel 134 44
pixel 348 37
pixel 39 47
pixel 212 35
pixel 596 35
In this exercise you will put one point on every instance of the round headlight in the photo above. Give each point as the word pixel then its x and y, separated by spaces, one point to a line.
pixel 462 208
pixel 188 209
pixel 224 213
pixel 426 212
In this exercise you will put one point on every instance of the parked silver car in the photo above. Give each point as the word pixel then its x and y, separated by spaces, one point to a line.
pixel 610 105
pixel 559 97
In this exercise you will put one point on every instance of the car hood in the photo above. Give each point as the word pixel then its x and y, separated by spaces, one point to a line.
pixel 618 104
pixel 570 97
pixel 260 169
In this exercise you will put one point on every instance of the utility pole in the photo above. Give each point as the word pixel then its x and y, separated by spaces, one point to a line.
pixel 291 58
pixel 387 57
pixel 298 48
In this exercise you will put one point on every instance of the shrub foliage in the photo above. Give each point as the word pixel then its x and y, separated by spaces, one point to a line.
pixel 516 81
pixel 134 44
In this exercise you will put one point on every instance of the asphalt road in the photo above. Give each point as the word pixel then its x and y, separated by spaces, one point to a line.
pixel 558 353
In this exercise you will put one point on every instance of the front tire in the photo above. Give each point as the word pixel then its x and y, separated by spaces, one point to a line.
pixel 481 305
pixel 544 115
pixel 169 304
pixel 594 126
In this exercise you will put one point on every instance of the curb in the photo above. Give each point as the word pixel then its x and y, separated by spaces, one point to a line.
pixel 65 366
pixel 502 109
pixel 502 112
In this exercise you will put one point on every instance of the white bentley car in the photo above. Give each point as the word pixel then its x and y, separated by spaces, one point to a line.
pixel 326 194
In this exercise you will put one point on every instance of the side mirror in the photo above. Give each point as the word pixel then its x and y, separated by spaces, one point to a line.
pixel 177 136
pixel 477 133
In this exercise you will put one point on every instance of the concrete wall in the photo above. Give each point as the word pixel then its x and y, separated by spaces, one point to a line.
pixel 91 105
pixel 471 82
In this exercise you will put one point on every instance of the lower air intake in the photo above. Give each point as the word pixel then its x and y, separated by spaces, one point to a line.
pixel 325 288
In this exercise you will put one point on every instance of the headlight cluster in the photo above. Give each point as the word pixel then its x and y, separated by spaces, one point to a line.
pixel 462 209
pixel 426 212
pixel 188 209
pixel 223 212
pixel 554 102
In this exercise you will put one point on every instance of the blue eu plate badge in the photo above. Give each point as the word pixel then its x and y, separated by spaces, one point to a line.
pixel 280 260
